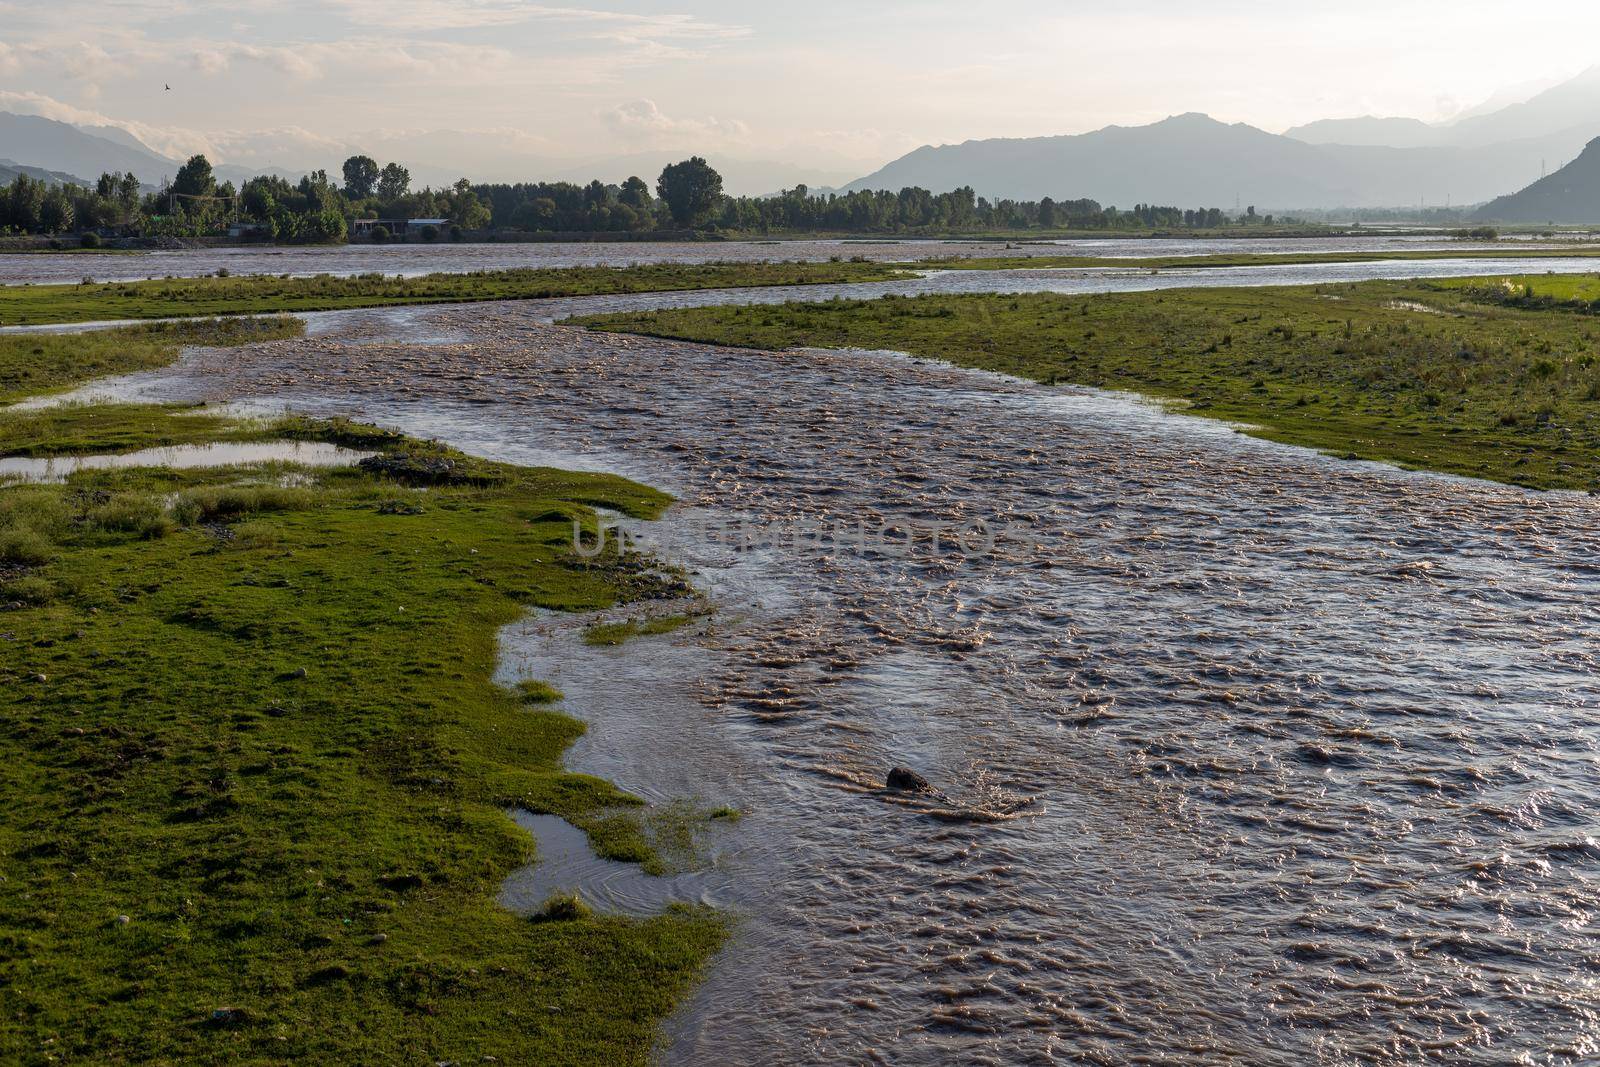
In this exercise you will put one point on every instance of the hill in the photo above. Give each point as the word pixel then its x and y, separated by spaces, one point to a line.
pixel 1369 130
pixel 60 146
pixel 10 169
pixel 1570 195
pixel 1194 160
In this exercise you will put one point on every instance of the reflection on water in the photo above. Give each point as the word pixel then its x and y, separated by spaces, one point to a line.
pixel 180 457
pixel 1301 754
pixel 566 864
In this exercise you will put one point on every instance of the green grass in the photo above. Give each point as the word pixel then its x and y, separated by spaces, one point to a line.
pixel 610 634
pixel 256 771
pixel 1251 259
pixel 1464 385
pixel 32 364
pixel 182 297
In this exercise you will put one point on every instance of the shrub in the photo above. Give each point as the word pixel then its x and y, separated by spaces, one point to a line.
pixel 130 513
pixel 379 234
pixel 25 547
pixel 563 907
pixel 429 233
pixel 211 505
pixel 90 240
pixel 30 589
pixel 33 510
pixel 535 692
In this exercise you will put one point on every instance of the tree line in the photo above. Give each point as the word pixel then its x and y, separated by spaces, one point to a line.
pixel 687 195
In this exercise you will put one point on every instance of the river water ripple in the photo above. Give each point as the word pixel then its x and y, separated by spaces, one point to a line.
pixel 1244 752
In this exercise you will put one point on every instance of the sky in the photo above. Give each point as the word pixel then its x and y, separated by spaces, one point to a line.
pixel 827 87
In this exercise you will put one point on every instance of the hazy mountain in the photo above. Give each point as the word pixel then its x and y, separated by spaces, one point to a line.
pixel 1369 130
pixel 60 146
pixel 1570 195
pixel 9 169
pixel 1571 104
pixel 1193 160
pixel 1562 112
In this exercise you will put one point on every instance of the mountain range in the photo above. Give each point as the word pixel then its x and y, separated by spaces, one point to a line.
pixel 9 169
pixel 1570 195
pixel 1193 159
pixel 1187 160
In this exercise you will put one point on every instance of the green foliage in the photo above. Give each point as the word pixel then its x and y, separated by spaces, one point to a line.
pixel 278 770
pixel 609 634
pixel 177 297
pixel 691 190
pixel 41 363
pixel 360 177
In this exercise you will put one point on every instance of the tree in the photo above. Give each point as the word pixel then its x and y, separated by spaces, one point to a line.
pixel 55 211
pixel 1047 213
pixel 635 193
pixel 690 189
pixel 195 178
pixel 128 192
pixel 360 177
pixel 393 182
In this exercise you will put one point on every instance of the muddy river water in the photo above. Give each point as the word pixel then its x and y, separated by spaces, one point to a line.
pixel 1242 753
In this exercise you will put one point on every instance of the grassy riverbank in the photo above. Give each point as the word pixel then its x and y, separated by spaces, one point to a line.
pixel 1426 375
pixel 1253 259
pixel 256 771
pixel 184 297
pixel 34 364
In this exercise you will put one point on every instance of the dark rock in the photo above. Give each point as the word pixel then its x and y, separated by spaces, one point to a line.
pixel 413 469
pixel 401 882
pixel 231 1017
pixel 909 781
pixel 334 972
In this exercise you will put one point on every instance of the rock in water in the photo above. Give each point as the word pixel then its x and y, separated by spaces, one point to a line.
pixel 908 781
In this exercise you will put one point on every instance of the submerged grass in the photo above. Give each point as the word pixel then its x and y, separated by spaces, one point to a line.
pixel 607 634
pixel 1421 374
pixel 183 297
pixel 257 771
pixel 31 364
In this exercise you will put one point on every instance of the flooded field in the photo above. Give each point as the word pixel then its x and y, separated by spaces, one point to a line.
pixel 415 259
pixel 182 457
pixel 1238 752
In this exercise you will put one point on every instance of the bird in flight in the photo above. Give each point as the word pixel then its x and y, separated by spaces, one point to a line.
pixel 169 88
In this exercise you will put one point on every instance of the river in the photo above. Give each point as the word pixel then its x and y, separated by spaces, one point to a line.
pixel 1242 752
pixel 417 259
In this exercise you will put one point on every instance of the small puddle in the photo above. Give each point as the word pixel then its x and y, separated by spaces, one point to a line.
pixel 566 864
pixel 181 457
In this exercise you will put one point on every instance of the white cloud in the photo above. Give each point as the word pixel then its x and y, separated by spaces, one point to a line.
pixel 217 57
pixel 642 124
pixel 392 15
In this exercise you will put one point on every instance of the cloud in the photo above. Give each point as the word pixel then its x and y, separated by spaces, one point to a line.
pixel 427 15
pixel 217 57
pixel 642 124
